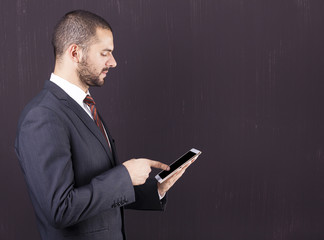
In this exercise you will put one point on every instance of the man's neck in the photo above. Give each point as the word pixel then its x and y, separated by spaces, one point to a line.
pixel 71 77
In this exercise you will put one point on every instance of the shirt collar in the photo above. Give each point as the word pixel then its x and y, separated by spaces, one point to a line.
pixel 76 93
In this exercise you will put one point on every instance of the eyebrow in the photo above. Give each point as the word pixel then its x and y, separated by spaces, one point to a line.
pixel 107 50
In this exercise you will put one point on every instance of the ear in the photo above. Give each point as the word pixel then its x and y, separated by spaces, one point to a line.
pixel 75 53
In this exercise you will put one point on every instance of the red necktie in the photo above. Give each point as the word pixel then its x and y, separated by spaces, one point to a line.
pixel 91 103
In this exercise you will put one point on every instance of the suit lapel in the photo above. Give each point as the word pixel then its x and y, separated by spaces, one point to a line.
pixel 112 142
pixel 84 117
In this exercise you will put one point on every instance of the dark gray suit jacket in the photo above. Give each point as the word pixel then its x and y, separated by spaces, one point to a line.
pixel 76 185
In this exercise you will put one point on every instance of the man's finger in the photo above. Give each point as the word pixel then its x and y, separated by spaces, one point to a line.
pixel 156 164
pixel 188 163
pixel 176 176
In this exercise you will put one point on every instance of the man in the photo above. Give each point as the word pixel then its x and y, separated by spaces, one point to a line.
pixel 68 157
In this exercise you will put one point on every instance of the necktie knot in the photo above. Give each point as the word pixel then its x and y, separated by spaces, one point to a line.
pixel 89 100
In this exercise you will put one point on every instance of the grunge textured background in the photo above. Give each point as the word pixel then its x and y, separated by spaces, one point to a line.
pixel 241 80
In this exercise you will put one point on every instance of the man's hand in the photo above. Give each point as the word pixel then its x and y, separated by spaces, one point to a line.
pixel 167 184
pixel 139 169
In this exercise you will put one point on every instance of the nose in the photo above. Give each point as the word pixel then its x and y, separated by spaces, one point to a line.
pixel 111 62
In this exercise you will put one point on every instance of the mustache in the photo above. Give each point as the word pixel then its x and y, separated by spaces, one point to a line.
pixel 105 69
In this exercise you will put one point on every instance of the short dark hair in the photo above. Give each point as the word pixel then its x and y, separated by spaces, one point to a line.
pixel 78 27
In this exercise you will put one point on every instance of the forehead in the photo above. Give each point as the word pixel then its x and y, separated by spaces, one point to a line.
pixel 104 39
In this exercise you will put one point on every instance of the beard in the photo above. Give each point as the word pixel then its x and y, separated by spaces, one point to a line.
pixel 89 75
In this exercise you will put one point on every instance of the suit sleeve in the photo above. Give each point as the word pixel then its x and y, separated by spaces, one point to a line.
pixel 147 197
pixel 43 148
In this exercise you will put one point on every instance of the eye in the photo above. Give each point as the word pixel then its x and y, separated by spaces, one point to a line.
pixel 104 54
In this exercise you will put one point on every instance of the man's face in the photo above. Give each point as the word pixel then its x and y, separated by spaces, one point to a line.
pixel 97 60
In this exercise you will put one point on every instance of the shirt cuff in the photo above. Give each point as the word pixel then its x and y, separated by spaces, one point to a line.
pixel 161 196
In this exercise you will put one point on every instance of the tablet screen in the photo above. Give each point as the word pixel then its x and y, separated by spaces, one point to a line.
pixel 177 164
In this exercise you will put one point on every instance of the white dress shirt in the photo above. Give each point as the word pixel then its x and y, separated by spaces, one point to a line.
pixel 76 93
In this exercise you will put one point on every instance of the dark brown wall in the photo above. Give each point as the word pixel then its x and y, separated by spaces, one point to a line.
pixel 242 80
